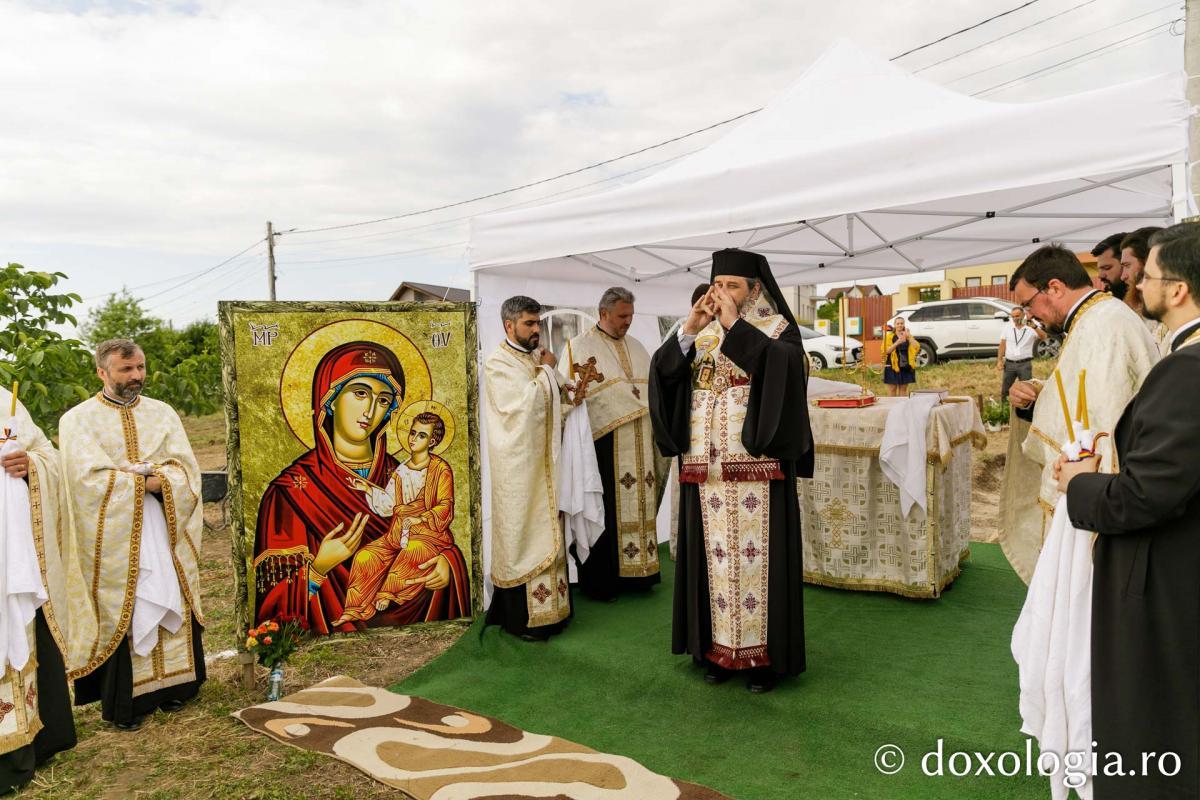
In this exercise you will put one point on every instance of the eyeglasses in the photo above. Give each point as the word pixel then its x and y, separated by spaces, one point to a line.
pixel 1025 306
pixel 1144 277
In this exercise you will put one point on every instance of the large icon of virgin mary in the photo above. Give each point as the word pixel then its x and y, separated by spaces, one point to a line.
pixel 328 510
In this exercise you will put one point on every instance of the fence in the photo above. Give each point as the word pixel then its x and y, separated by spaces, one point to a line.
pixel 998 290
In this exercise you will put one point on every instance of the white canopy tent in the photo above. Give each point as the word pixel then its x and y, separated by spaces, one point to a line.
pixel 859 170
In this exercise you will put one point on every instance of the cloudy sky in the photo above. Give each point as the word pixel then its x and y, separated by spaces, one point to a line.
pixel 143 143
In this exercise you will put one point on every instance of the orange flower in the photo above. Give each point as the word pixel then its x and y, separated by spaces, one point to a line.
pixel 266 640
pixel 272 626
pixel 251 642
pixel 261 629
pixel 251 632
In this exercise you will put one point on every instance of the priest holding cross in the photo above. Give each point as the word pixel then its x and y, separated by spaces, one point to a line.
pixel 625 557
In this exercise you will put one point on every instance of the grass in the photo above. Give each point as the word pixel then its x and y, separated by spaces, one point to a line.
pixel 969 377
pixel 202 753
pixel 881 669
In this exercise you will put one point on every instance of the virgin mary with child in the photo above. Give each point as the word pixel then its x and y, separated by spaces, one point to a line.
pixel 347 536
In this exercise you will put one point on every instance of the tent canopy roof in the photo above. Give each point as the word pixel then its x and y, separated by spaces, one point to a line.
pixel 860 170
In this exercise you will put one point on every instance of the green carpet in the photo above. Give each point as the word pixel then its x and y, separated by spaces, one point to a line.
pixel 881 669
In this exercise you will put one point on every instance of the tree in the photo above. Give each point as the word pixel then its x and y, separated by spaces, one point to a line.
pixel 120 317
pixel 55 372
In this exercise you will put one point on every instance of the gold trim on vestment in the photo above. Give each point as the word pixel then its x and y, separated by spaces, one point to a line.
pixel 174 462
pixel 98 556
pixel 612 426
pixel 27 728
pixel 168 503
pixel 552 503
pixel 117 406
pixel 135 549
pixel 39 544
pixel 894 587
pixel 1090 303
pixel 1192 338
pixel 1036 431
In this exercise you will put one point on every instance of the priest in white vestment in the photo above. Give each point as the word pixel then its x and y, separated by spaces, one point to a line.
pixel 523 413
pixel 625 557
pixel 1100 334
pixel 42 598
pixel 136 511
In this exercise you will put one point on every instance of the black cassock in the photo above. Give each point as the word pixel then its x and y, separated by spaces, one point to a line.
pixel 776 426
pixel 1146 586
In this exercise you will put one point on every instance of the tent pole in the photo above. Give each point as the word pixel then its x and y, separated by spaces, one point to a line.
pixel 1179 191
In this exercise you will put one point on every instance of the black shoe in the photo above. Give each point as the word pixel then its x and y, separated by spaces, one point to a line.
pixel 130 726
pixel 533 637
pixel 714 675
pixel 172 706
pixel 762 681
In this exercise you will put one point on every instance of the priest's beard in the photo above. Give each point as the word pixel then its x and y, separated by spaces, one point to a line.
pixel 1153 310
pixel 1118 289
pixel 530 343
pixel 125 392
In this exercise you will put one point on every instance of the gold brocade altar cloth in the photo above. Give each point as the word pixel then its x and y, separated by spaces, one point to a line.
pixel 855 536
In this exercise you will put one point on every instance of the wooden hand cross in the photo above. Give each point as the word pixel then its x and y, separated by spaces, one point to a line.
pixel 584 374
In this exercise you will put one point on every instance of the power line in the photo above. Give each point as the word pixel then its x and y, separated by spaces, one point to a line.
pixel 214 278
pixel 533 183
pixel 1074 59
pixel 539 198
pixel 1062 44
pixel 964 30
pixel 1004 36
pixel 204 272
pixel 217 282
pixel 1140 39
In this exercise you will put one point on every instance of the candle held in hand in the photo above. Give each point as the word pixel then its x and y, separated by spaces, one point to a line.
pixel 1062 396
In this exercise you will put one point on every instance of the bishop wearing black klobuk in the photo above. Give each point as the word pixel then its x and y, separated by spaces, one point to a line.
pixel 731 402
pixel 1146 557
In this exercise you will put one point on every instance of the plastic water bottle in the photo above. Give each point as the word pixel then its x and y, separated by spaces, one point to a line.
pixel 275 684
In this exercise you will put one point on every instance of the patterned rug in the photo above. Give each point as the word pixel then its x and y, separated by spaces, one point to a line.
pixel 437 752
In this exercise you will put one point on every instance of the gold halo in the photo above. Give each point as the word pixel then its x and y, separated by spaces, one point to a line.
pixel 402 422
pixel 295 382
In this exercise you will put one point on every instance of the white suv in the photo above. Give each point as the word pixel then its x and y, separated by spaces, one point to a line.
pixel 968 327
pixel 826 351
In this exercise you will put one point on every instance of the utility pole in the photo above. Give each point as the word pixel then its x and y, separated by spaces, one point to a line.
pixel 270 261
pixel 1191 65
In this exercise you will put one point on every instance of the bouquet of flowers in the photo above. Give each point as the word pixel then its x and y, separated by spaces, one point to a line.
pixel 273 642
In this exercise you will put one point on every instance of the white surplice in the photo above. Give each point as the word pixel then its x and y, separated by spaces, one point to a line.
pixel 21 588
pixel 158 603
pixel 902 452
pixel 580 489
pixel 1051 644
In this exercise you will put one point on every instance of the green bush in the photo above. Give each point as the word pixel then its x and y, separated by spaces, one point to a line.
pixel 55 372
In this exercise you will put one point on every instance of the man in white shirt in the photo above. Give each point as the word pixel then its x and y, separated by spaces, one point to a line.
pixel 1017 343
